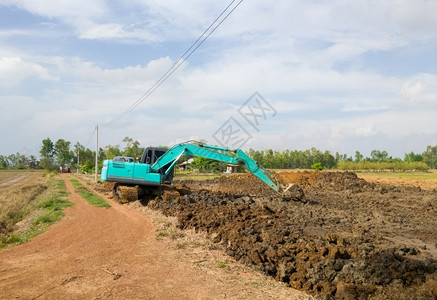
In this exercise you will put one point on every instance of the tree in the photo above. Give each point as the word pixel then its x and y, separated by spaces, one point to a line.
pixel 112 151
pixel 208 165
pixel 413 157
pixel 87 167
pixel 132 148
pixel 430 156
pixel 86 158
pixel 358 156
pixel 33 163
pixel 47 151
pixel 62 152
pixel 317 166
pixel 22 161
pixel 256 155
pixel 328 160
pixel 12 158
pixel 77 151
pixel 3 162
pixel 316 156
pixel 379 156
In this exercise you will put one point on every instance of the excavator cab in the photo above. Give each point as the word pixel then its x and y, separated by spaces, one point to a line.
pixel 151 155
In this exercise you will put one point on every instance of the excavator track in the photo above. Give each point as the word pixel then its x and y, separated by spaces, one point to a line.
pixel 126 194
pixel 109 185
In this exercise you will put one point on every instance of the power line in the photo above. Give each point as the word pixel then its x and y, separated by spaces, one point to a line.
pixel 92 134
pixel 178 63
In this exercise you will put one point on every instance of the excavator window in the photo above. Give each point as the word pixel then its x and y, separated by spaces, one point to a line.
pixel 151 155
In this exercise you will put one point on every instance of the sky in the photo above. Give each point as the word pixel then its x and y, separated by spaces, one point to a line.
pixel 290 74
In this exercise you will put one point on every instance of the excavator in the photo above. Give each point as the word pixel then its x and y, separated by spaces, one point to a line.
pixel 154 171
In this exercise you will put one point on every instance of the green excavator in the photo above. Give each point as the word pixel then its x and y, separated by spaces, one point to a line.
pixel 156 167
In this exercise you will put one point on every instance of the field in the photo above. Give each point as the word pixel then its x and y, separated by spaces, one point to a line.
pixel 17 191
pixel 426 181
pixel 29 203
pixel 372 236
pixel 10 180
pixel 353 239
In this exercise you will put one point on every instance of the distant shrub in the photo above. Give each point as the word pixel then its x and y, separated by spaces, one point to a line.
pixel 399 166
pixel 317 166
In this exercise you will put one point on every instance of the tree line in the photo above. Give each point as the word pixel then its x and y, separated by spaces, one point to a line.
pixel 62 152
pixel 306 159
pixel 59 153
pixel 18 161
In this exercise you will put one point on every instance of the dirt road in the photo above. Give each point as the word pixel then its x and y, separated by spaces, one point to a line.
pixel 98 253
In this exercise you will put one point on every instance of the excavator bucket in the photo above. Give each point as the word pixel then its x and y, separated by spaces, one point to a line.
pixel 293 192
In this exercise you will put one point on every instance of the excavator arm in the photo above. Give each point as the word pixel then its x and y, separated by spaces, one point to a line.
pixel 229 156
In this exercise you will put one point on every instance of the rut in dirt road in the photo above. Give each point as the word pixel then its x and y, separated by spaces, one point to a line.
pixel 102 253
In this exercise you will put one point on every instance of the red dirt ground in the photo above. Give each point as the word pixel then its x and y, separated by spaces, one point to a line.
pixel 424 183
pixel 98 253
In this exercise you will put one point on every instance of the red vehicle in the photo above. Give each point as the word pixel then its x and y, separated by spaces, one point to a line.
pixel 64 169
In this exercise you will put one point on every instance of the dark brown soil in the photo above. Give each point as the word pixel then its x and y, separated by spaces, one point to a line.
pixel 352 240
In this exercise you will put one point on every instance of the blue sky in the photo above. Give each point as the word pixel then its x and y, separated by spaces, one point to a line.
pixel 342 76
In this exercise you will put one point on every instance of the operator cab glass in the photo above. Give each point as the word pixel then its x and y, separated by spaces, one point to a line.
pixel 123 159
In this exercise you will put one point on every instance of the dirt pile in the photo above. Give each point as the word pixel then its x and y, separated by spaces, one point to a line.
pixel 248 183
pixel 353 239
pixel 237 184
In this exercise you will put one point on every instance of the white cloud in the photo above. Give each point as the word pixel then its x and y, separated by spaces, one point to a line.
pixel 419 93
pixel 13 70
pixel 416 18
pixel 195 103
pixel 412 90
pixel 118 31
pixel 69 11
pixel 15 32
pixel 352 26
pixel 287 51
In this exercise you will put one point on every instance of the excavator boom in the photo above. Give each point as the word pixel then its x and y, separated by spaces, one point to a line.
pixel 156 172
pixel 219 154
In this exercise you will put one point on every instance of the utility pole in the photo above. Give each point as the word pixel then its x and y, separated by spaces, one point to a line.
pixel 78 152
pixel 97 152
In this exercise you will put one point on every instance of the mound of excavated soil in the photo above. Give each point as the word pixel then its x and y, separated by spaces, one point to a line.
pixel 249 184
pixel 353 239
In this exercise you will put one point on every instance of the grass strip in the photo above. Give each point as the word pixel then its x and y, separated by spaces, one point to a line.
pixel 403 175
pixel 47 208
pixel 400 166
pixel 195 176
pixel 90 197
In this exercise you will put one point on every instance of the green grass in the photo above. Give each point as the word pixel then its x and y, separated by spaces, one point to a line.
pixel 47 209
pixel 222 264
pixel 54 202
pixel 195 176
pixel 402 175
pixel 399 166
pixel 49 218
pixel 91 198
